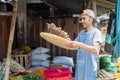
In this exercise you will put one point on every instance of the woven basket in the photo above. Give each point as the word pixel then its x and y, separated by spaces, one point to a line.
pixel 56 40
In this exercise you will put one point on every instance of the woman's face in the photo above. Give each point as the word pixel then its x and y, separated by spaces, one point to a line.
pixel 86 21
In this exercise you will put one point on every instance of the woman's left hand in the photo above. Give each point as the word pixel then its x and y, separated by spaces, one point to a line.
pixel 73 44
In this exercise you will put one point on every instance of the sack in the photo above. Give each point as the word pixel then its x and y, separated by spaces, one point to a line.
pixel 39 57
pixel 63 60
pixel 39 50
pixel 45 63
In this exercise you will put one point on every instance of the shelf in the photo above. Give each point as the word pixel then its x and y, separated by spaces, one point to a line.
pixel 5 13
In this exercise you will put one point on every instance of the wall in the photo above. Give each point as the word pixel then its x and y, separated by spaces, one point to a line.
pixel 4 35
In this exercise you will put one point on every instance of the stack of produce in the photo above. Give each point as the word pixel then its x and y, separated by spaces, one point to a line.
pixel 108 65
pixel 58 74
pixel 39 58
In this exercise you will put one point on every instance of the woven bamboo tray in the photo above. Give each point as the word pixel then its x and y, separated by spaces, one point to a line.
pixel 56 40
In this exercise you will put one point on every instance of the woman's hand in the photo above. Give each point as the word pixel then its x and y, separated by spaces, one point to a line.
pixel 73 44
pixel 76 44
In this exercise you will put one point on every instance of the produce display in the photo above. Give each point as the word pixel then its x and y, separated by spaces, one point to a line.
pixel 43 74
pixel 18 72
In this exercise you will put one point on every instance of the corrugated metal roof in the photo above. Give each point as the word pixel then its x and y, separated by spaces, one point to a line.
pixel 114 1
pixel 74 6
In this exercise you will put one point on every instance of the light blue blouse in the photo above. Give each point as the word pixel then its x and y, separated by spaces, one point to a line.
pixel 86 65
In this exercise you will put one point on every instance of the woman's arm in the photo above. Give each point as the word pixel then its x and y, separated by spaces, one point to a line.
pixel 92 49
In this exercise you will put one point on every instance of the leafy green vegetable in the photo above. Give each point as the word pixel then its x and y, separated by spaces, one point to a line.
pixel 31 77
pixel 105 59
pixel 108 65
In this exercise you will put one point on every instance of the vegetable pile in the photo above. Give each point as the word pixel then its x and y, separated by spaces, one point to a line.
pixel 24 76
pixel 108 65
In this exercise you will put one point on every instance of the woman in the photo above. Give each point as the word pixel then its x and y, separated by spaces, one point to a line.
pixel 88 44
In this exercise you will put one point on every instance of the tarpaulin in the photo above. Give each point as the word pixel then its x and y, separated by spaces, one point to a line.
pixel 116 40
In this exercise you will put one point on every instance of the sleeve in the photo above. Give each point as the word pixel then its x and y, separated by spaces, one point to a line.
pixel 97 37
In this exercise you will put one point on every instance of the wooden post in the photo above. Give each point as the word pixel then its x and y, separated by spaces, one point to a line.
pixel 22 23
pixel 94 7
pixel 10 42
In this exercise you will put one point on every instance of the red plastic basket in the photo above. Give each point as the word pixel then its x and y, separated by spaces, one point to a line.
pixel 58 74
